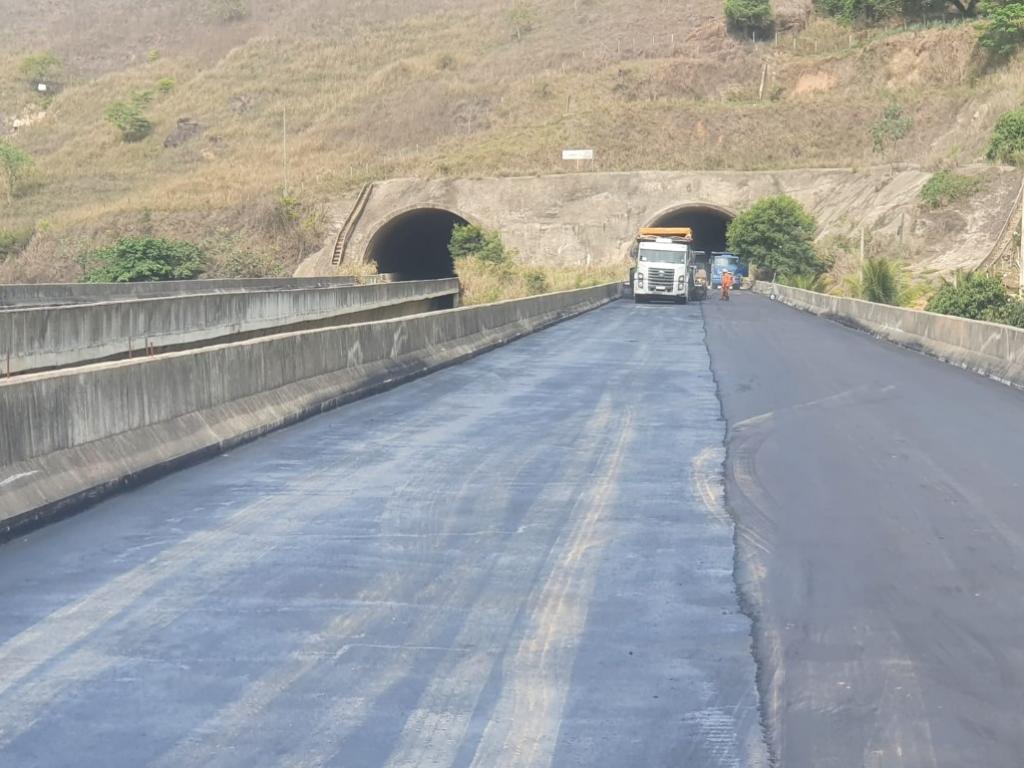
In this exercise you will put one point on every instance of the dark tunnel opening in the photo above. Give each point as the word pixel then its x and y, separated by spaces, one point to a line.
pixel 708 223
pixel 414 245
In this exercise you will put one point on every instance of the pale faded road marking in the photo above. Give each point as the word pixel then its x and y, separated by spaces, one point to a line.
pixel 435 731
pixel 523 730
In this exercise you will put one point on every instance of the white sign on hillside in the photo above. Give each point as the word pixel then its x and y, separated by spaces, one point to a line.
pixel 577 154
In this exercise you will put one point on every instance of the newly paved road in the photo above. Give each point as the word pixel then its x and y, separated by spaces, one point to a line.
pixel 880 502
pixel 520 561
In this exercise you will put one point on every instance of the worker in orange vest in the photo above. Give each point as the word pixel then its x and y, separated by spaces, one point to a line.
pixel 726 285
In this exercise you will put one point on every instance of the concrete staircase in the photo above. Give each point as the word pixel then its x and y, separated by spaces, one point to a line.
pixel 1004 257
pixel 345 233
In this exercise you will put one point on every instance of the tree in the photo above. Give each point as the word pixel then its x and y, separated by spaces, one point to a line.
pixel 141 259
pixel 40 67
pixel 471 241
pixel 14 165
pixel 1007 143
pixel 747 16
pixel 777 235
pixel 966 8
pixel 1002 32
pixel 974 295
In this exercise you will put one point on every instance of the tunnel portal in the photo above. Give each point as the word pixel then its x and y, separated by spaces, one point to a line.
pixel 414 245
pixel 709 224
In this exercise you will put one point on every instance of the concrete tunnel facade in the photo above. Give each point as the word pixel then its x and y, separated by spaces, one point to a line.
pixel 580 219
pixel 413 244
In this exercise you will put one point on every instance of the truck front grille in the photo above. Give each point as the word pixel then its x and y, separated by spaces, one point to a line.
pixel 661 278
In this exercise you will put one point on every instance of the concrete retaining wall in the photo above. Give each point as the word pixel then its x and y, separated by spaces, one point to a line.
pixel 49 294
pixel 987 348
pixel 68 437
pixel 51 337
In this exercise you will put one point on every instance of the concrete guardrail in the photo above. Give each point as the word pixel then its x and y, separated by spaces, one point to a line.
pixel 990 349
pixel 52 294
pixel 38 338
pixel 69 437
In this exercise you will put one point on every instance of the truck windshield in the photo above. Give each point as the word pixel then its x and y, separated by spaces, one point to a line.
pixel 727 261
pixel 669 257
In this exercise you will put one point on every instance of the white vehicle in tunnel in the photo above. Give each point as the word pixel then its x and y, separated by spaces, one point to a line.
pixel 663 258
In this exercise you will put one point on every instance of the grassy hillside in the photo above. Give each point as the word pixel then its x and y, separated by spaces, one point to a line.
pixel 377 88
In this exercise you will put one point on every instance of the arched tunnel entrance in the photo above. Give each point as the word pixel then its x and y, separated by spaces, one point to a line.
pixel 414 244
pixel 708 222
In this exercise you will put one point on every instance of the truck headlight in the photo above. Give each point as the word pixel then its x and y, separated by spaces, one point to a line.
pixel 639 278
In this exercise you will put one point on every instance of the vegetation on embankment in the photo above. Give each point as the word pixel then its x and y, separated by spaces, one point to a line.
pixel 491 272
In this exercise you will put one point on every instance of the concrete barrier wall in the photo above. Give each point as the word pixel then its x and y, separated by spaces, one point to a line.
pixel 70 436
pixel 49 294
pixel 51 337
pixel 990 349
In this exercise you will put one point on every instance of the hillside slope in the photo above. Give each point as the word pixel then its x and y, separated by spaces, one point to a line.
pixel 378 88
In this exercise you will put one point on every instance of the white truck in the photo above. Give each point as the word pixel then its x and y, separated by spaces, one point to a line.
pixel 663 264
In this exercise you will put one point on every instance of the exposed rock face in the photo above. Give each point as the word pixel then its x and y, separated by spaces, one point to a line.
pixel 186 130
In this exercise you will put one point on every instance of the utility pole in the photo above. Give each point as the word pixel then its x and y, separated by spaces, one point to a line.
pixel 1020 264
pixel 284 146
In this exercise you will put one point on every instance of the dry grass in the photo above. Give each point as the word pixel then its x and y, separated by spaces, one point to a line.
pixel 484 283
pixel 376 89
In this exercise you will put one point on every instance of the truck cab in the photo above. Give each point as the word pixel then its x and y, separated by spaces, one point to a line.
pixel 722 262
pixel 663 260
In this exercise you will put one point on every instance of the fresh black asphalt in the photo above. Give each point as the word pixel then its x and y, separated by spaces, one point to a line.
pixel 526 560
pixel 520 561
pixel 880 501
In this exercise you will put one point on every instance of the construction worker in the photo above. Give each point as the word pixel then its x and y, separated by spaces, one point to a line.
pixel 726 285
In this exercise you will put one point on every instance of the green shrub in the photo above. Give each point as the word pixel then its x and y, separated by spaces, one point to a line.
pixel 12 243
pixel 881 281
pixel 40 67
pixel 1010 313
pixel 1007 143
pixel 747 16
pixel 1002 32
pixel 471 241
pixel 777 234
pixel 14 166
pixel 165 85
pixel 850 11
pixel 536 281
pixel 230 10
pixel 808 282
pixel 128 118
pixel 141 259
pixel 892 126
pixel 946 187
pixel 973 295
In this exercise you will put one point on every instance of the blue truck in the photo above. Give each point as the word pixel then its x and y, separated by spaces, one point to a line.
pixel 722 262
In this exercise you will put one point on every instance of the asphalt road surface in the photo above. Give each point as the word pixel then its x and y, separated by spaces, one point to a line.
pixel 520 561
pixel 879 496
